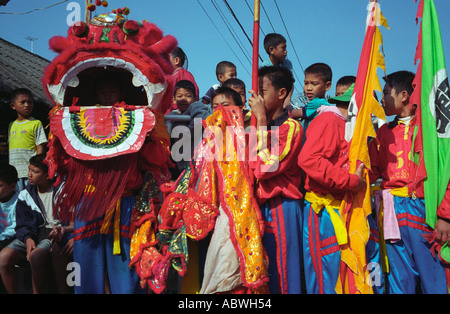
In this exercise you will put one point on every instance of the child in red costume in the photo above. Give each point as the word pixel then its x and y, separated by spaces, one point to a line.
pixel 325 160
pixel 403 224
pixel 273 159
pixel 178 59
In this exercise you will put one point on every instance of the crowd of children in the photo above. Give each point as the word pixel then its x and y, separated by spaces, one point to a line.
pixel 299 181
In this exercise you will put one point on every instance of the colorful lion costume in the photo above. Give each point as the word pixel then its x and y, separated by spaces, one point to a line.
pixel 112 158
pixel 214 196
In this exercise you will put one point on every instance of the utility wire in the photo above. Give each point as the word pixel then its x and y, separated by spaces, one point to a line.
pixel 251 11
pixel 222 36
pixel 289 36
pixel 268 19
pixel 292 44
pixel 28 12
pixel 232 32
pixel 240 25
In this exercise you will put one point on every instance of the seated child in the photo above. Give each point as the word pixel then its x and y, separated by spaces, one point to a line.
pixel 178 59
pixel 193 111
pixel 8 200
pixel 224 71
pixel 275 46
pixel 34 222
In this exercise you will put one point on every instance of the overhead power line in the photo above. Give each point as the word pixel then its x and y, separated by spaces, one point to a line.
pixel 289 36
pixel 240 25
pixel 231 30
pixel 222 36
pixel 31 11
pixel 268 18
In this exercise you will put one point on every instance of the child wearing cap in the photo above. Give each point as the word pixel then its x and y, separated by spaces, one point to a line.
pixel 324 160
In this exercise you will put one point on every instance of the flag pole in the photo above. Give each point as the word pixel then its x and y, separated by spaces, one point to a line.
pixel 87 16
pixel 255 52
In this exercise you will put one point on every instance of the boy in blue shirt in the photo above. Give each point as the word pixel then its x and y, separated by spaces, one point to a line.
pixel 34 222
pixel 8 200
pixel 275 46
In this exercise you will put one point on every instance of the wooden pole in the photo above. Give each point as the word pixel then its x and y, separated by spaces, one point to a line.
pixel 87 12
pixel 255 47
pixel 255 53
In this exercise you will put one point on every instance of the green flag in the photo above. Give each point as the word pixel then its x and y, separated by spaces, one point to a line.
pixel 434 112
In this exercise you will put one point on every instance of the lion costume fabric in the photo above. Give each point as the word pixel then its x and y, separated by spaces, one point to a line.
pixel 214 196
pixel 111 157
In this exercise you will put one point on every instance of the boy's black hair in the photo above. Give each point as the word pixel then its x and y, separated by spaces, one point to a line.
pixel 273 40
pixel 234 82
pixel 38 161
pixel 281 77
pixel 185 84
pixel 20 91
pixel 222 67
pixel 346 80
pixel 8 174
pixel 179 53
pixel 401 80
pixel 321 69
pixel 229 93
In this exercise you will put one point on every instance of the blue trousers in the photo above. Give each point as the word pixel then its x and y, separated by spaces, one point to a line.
pixel 93 251
pixel 283 244
pixel 322 254
pixel 411 263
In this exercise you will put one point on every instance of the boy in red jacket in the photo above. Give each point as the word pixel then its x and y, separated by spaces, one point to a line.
pixel 274 164
pixel 404 229
pixel 324 159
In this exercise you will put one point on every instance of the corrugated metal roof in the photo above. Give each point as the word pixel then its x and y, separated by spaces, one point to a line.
pixel 21 68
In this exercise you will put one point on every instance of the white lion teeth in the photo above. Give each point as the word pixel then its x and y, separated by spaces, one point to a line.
pixel 57 92
pixel 154 91
pixel 74 82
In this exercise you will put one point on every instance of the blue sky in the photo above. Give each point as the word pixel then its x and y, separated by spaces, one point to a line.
pixel 330 31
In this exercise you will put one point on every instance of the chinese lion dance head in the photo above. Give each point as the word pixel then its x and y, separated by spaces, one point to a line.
pixel 94 146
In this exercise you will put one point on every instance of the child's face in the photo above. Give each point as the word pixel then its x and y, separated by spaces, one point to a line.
pixel 241 91
pixel 396 103
pixel 222 100
pixel 108 94
pixel 230 72
pixel 279 52
pixel 36 175
pixel 314 86
pixel 23 105
pixel 341 89
pixel 183 98
pixel 174 61
pixel 273 98
pixel 6 190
